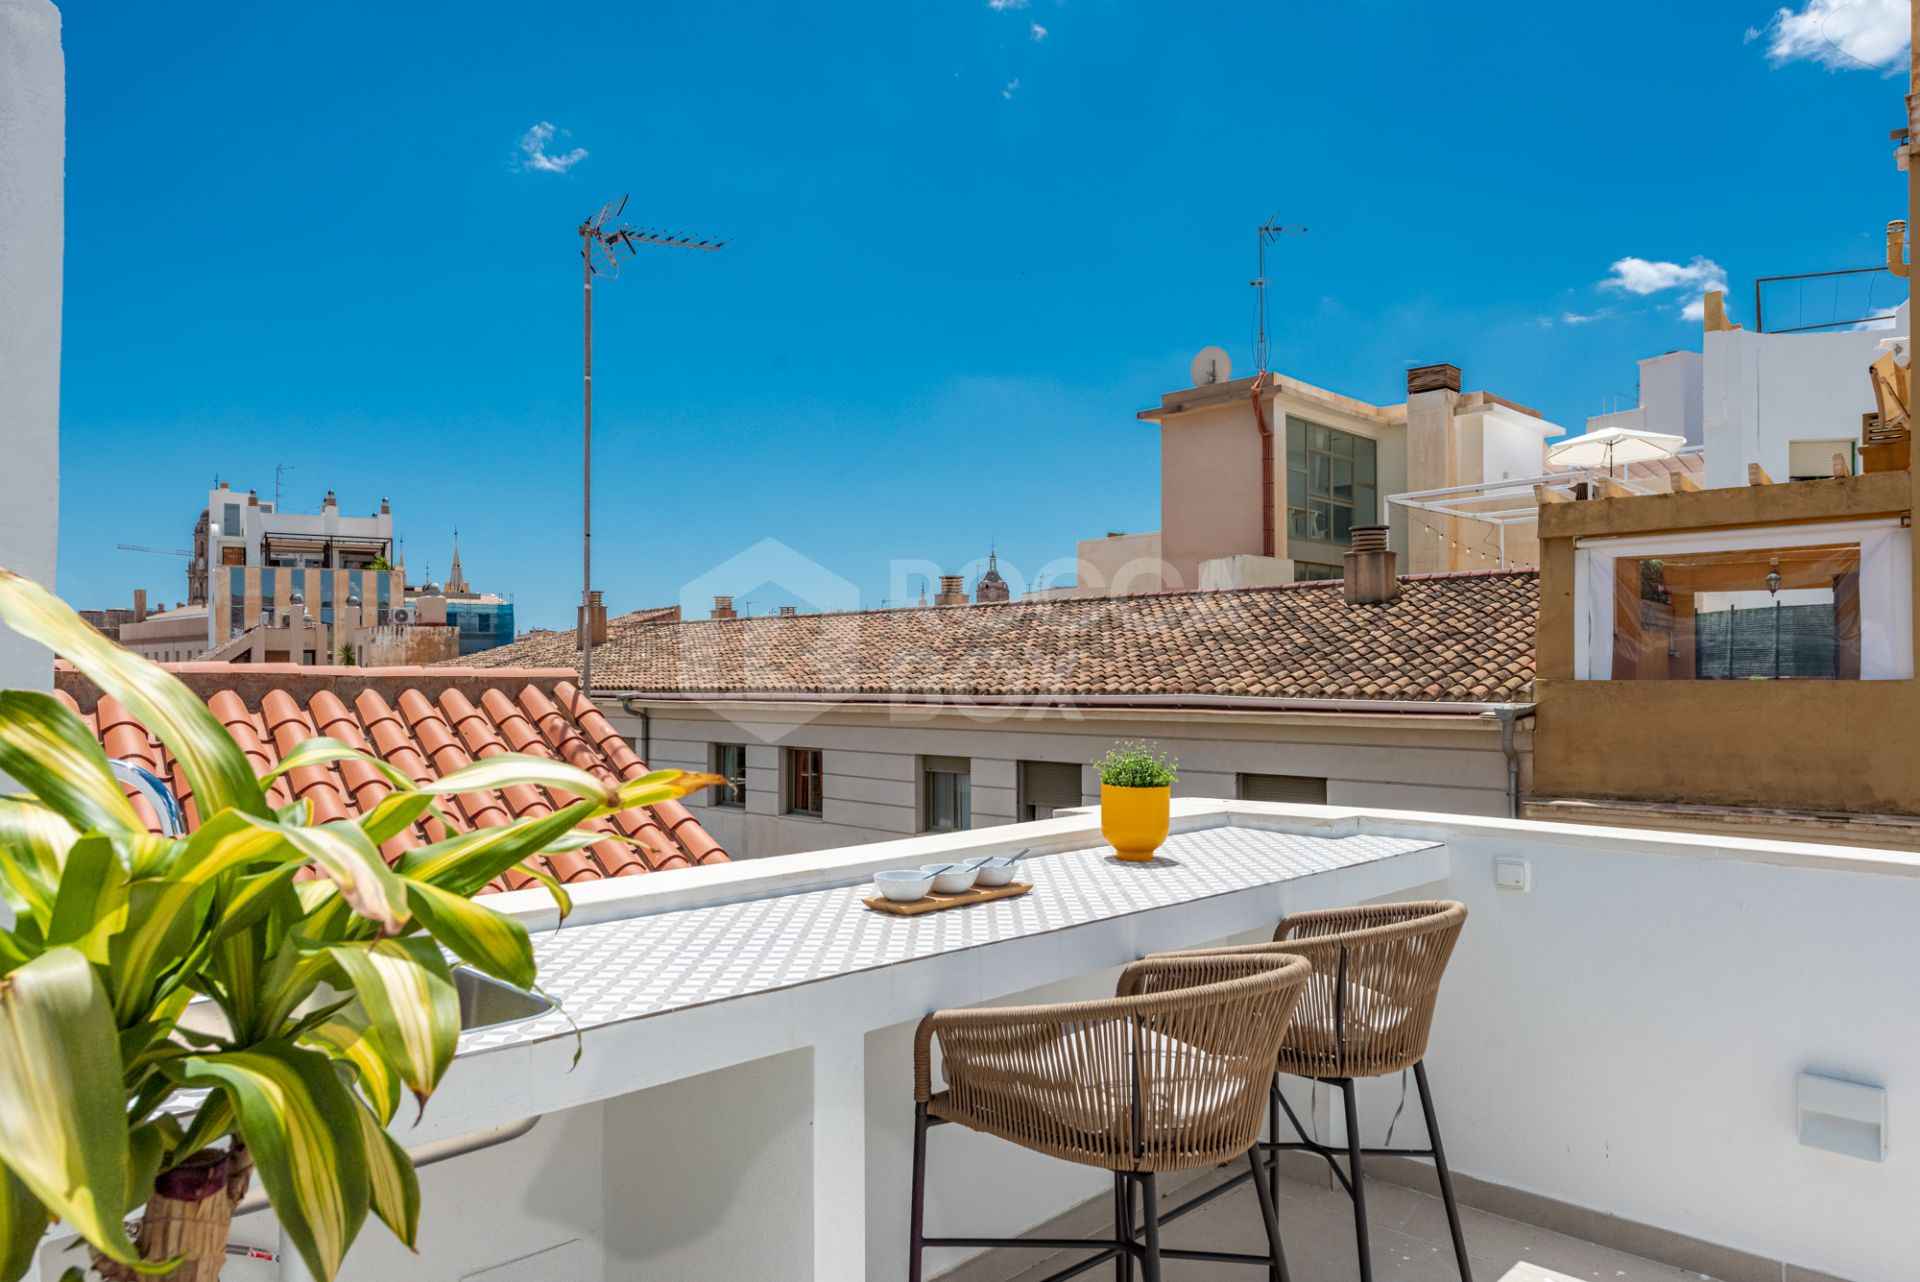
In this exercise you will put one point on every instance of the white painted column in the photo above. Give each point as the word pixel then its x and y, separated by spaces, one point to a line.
pixel 33 144
pixel 840 1157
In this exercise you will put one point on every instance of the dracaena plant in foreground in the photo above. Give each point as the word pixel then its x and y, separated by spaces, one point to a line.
pixel 334 995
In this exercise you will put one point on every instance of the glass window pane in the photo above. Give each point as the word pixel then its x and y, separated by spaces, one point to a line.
pixel 1296 443
pixel 1343 480
pixel 1363 460
pixel 1317 436
pixel 1342 445
pixel 1366 505
pixel 1318 480
pixel 1342 524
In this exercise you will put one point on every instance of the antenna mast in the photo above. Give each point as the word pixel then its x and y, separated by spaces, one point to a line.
pixel 601 236
pixel 279 472
pixel 1270 232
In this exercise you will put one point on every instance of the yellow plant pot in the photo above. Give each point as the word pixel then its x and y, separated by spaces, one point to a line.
pixel 1134 820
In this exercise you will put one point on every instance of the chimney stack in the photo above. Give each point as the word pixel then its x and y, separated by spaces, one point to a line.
pixel 384 509
pixel 1371 574
pixel 329 504
pixel 139 605
pixel 1433 378
pixel 789 611
pixel 253 498
pixel 952 591
pixel 596 613
pixel 723 608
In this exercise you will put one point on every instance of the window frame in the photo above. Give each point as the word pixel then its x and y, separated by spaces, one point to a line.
pixel 934 769
pixel 1302 497
pixel 1886 584
pixel 732 797
pixel 792 776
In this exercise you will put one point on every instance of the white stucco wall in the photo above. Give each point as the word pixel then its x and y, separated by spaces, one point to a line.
pixel 32 181
pixel 1762 391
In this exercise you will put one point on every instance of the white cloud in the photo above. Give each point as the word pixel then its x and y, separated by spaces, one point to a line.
pixel 1643 276
pixel 1013 86
pixel 534 144
pixel 1581 318
pixel 1694 310
pixel 1000 6
pixel 1839 33
pixel 1039 32
pixel 1883 318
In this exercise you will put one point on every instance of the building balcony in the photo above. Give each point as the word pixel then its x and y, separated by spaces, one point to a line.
pixel 1618 1061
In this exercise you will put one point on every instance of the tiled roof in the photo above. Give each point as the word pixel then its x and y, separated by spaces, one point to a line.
pixel 427 725
pixel 561 649
pixel 1453 637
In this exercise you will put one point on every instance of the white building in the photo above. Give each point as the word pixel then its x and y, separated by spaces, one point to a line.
pixel 1788 402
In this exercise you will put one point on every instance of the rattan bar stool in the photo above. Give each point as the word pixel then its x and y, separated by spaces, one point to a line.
pixel 1169 1075
pixel 1365 1013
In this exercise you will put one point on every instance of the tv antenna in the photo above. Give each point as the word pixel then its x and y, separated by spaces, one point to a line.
pixel 601 238
pixel 279 473
pixel 1270 233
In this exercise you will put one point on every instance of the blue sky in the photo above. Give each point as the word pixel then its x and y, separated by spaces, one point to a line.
pixel 970 240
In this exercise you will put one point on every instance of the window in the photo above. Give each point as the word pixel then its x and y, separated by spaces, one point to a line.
pixel 1316 571
pixel 1299 790
pixel 730 763
pixel 230 520
pixel 946 793
pixel 1332 482
pixel 803 781
pixel 1047 786
pixel 1807 602
pixel 1705 616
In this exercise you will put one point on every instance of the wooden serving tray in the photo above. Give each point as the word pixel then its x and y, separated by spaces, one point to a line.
pixel 934 902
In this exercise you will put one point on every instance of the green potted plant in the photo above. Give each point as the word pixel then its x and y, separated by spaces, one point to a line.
pixel 333 995
pixel 1136 791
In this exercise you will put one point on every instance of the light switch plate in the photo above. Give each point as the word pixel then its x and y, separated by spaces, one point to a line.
pixel 1511 872
pixel 1843 1117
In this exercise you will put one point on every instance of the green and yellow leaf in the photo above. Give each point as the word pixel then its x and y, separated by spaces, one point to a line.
pixel 394 1188
pixel 62 1132
pixel 479 936
pixel 48 748
pixel 207 754
pixel 22 1220
pixel 408 995
pixel 518 767
pixel 302 1127
pixel 346 1035
pixel 321 750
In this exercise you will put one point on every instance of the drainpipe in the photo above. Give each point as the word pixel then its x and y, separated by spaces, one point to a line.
pixel 646 729
pixel 1266 469
pixel 1507 714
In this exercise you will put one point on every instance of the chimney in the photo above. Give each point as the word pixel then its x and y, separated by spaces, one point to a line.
pixel 253 498
pixel 597 611
pixel 384 509
pixel 951 590
pixel 1433 378
pixel 223 485
pixel 139 605
pixel 723 608
pixel 789 611
pixel 330 504
pixel 1371 577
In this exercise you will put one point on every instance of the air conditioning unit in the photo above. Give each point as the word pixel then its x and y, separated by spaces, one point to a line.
pixel 402 616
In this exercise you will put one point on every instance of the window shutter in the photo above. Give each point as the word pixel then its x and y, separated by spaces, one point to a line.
pixel 1299 790
pixel 1054 784
pixel 1808 460
pixel 949 765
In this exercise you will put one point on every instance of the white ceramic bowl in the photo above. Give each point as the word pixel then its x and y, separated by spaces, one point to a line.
pixel 903 885
pixel 996 874
pixel 953 882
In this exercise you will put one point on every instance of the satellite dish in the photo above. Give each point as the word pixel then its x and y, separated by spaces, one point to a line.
pixel 1212 365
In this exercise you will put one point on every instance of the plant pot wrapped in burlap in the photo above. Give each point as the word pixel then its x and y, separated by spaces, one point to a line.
pixel 189 1215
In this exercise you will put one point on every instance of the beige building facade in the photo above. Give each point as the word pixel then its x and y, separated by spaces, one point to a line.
pixel 885 772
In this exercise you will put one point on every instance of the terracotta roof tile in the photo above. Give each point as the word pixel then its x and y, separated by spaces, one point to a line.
pixel 423 736
pixel 1447 638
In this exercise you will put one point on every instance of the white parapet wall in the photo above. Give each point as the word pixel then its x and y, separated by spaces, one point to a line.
pixel 32 176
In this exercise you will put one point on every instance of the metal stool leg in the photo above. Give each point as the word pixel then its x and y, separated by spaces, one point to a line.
pixel 1277 1271
pixel 1122 1226
pixel 1359 1183
pixel 917 1217
pixel 1273 1135
pixel 1150 1194
pixel 1446 1176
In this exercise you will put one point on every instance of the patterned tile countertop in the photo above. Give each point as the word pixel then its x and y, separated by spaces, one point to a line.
pixel 621 970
